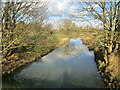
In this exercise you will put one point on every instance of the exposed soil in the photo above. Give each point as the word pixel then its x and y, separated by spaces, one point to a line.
pixel 17 60
pixel 110 71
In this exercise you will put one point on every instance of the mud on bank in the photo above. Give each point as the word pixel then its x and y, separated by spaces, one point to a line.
pixel 108 66
pixel 108 70
pixel 17 60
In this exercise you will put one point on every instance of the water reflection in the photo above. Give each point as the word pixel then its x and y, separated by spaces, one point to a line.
pixel 76 68
pixel 76 46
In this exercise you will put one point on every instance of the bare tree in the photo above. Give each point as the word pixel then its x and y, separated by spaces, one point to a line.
pixel 14 13
pixel 68 26
pixel 106 12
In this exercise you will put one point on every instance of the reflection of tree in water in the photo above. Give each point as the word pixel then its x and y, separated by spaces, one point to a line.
pixel 71 80
pixel 11 81
pixel 71 49
pixel 65 78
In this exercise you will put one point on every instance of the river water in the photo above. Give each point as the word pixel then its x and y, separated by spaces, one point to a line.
pixel 70 66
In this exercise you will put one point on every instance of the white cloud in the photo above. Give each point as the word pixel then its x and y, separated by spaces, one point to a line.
pixel 95 6
pixel 83 13
pixel 56 7
pixel 97 24
pixel 73 8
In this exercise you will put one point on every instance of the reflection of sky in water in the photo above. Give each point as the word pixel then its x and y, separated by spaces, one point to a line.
pixel 60 69
pixel 75 48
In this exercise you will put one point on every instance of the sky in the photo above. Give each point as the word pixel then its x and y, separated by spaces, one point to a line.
pixel 59 10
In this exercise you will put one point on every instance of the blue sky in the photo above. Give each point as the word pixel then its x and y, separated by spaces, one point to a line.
pixel 59 10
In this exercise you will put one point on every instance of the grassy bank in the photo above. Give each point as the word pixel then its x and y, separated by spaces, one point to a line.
pixel 106 52
pixel 107 63
pixel 23 56
pixel 96 40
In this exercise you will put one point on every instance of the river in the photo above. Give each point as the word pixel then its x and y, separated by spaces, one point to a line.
pixel 70 66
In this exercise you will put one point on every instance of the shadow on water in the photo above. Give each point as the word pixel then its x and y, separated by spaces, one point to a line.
pixel 70 66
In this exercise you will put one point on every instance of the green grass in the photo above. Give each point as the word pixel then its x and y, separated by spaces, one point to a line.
pixel 34 37
pixel 59 36
pixel 117 77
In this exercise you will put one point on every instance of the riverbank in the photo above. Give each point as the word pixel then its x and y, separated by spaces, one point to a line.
pixel 108 65
pixel 17 60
